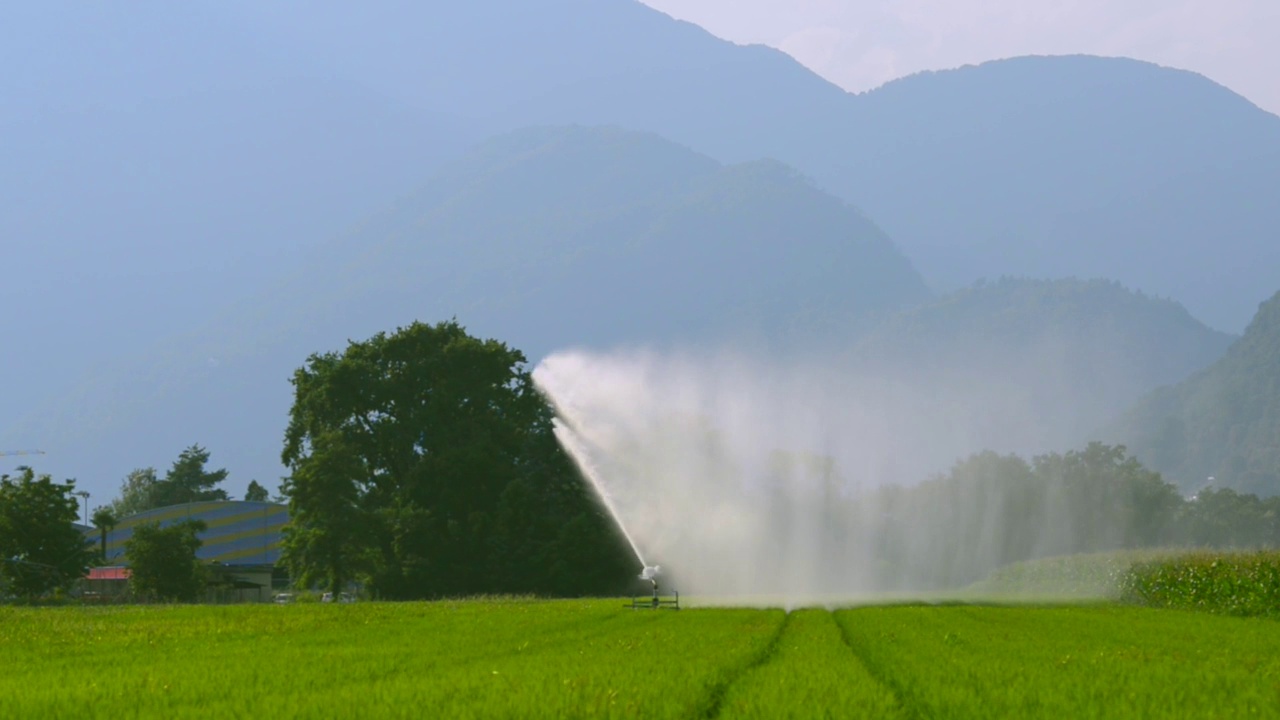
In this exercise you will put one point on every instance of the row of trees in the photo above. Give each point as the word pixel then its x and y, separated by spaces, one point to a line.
pixel 42 551
pixel 423 463
pixel 991 509
pixel 188 480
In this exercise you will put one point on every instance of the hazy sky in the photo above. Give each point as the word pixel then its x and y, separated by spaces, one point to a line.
pixel 860 44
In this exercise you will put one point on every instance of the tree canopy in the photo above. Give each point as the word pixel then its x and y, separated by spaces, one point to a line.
pixel 104 520
pixel 40 548
pixel 992 510
pixel 187 481
pixel 256 492
pixel 136 493
pixel 423 462
pixel 163 563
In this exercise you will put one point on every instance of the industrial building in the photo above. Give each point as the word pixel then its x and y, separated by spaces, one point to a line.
pixel 241 542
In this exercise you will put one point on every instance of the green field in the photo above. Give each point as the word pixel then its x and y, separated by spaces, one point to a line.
pixel 525 659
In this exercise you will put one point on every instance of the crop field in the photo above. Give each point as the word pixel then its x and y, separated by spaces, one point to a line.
pixel 1240 583
pixel 554 659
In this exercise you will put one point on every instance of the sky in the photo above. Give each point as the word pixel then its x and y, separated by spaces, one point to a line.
pixel 860 44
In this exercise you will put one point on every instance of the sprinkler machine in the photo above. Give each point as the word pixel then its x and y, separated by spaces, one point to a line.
pixel 657 602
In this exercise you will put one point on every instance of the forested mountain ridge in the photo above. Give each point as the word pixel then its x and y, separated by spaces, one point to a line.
pixel 1089 316
pixel 1073 166
pixel 1036 166
pixel 620 236
pixel 1223 422
pixel 162 172
pixel 545 238
pixel 595 62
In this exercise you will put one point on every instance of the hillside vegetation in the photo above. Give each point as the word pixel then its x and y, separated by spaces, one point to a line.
pixel 1222 423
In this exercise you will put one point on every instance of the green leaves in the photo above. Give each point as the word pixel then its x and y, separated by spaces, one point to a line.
pixel 1230 583
pixel 163 561
pixel 188 481
pixel 40 548
pixel 401 449
pixel 137 493
pixel 256 492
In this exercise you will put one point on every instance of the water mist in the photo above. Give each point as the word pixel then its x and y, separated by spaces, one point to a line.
pixel 755 483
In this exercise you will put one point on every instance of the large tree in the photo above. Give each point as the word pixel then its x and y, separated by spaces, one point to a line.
pixel 402 450
pixel 40 548
pixel 163 563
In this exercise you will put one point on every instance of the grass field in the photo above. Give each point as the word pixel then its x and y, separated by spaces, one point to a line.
pixel 530 659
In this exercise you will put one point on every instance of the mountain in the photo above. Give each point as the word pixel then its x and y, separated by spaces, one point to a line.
pixel 1073 166
pixel 544 238
pixel 504 65
pixel 158 164
pixel 1025 366
pixel 169 163
pixel 164 162
pixel 1034 167
pixel 1037 166
pixel 1221 423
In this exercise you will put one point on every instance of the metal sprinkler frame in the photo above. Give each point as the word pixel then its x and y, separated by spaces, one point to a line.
pixel 657 602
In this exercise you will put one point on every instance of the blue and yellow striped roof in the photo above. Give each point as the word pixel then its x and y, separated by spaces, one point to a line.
pixel 237 532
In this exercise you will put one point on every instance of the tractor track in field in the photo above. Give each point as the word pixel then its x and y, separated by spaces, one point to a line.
pixel 715 699
pixel 903 697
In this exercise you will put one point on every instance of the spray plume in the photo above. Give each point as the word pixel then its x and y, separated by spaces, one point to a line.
pixel 756 484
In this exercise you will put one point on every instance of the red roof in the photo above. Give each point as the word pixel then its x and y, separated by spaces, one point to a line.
pixel 108 573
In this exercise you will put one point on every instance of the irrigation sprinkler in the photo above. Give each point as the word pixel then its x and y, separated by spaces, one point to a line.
pixel 658 602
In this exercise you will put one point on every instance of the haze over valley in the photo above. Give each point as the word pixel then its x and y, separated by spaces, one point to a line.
pixel 1020 256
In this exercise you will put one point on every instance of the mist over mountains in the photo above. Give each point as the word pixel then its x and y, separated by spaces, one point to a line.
pixel 197 197
pixel 544 238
